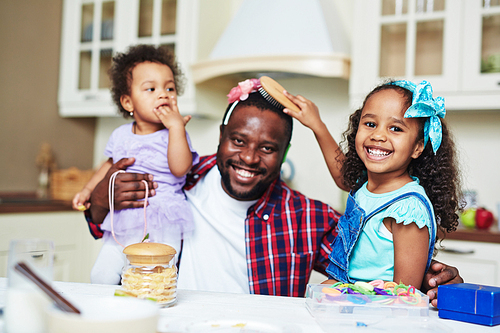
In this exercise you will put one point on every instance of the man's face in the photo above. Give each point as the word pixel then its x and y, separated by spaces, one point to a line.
pixel 251 149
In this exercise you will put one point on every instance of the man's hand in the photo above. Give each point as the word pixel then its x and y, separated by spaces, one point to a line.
pixel 439 274
pixel 128 189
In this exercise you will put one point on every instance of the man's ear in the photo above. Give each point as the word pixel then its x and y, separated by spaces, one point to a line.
pixel 419 148
pixel 126 103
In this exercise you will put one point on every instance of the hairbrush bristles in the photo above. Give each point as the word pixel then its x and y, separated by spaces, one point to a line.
pixel 270 99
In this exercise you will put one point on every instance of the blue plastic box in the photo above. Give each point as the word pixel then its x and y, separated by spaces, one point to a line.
pixel 472 303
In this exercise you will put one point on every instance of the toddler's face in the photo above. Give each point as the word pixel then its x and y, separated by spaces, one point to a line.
pixel 153 86
pixel 385 140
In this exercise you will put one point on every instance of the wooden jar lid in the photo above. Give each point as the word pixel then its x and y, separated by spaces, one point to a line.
pixel 149 253
pixel 275 90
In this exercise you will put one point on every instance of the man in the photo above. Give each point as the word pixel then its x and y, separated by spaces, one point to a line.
pixel 252 233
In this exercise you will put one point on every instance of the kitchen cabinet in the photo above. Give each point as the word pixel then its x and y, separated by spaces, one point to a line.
pixel 94 30
pixel 75 249
pixel 476 261
pixel 441 41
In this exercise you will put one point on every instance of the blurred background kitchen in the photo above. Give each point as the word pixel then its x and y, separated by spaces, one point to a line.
pixel 56 114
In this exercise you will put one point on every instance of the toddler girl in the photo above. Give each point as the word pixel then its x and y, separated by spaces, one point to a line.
pixel 145 83
pixel 401 172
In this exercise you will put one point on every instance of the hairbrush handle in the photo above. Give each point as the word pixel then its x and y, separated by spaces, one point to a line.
pixel 61 302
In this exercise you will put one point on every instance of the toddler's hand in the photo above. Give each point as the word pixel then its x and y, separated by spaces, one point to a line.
pixel 170 115
pixel 309 112
pixel 81 200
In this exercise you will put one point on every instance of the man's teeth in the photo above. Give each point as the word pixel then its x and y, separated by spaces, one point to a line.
pixel 245 173
pixel 378 152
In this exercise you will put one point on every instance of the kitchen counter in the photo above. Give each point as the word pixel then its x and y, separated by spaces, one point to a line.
pixel 285 314
pixel 474 235
pixel 29 203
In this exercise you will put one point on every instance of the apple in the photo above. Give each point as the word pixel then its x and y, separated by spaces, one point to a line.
pixel 468 218
pixel 484 218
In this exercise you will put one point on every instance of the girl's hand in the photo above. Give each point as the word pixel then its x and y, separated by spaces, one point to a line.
pixel 170 115
pixel 81 200
pixel 309 112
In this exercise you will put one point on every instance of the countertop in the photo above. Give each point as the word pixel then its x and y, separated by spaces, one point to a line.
pixel 283 314
pixel 474 235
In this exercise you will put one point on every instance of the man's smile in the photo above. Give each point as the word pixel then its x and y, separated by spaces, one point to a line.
pixel 244 173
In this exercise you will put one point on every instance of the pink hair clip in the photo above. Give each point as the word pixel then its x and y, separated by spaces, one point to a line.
pixel 243 89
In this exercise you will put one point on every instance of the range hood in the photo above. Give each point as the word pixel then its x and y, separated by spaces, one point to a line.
pixel 293 37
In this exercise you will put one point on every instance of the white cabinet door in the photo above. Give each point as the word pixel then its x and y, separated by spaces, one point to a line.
pixel 94 30
pixel 454 44
pixel 411 39
pixel 75 249
pixel 481 48
pixel 476 261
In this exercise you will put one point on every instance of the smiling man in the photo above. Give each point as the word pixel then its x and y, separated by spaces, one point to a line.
pixel 253 234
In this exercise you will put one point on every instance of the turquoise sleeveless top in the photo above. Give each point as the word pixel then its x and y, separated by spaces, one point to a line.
pixel 373 255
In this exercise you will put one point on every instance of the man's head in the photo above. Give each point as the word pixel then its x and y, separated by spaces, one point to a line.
pixel 251 147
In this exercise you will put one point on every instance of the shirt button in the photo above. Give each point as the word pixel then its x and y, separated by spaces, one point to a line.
pixel 265 217
pixel 196 176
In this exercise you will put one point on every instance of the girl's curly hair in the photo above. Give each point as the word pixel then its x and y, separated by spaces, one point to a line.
pixel 120 72
pixel 438 174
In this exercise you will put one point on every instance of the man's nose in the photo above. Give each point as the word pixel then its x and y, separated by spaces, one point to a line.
pixel 250 156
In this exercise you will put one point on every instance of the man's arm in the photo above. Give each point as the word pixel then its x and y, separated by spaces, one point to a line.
pixel 439 274
pixel 128 189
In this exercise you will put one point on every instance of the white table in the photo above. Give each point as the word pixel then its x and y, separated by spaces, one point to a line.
pixel 286 313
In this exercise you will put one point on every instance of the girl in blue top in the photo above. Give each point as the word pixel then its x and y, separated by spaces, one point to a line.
pixel 399 166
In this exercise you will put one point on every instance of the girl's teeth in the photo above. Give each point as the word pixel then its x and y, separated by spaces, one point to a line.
pixel 377 152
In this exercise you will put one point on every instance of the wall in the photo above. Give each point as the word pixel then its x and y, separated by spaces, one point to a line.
pixel 29 69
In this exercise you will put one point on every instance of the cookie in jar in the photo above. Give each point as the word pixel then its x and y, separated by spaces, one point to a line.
pixel 151 272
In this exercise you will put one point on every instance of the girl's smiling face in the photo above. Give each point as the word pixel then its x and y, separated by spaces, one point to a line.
pixel 386 142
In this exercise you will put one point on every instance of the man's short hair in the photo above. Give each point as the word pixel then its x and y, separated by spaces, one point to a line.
pixel 257 100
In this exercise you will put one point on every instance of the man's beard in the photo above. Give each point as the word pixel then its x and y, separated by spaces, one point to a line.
pixel 253 193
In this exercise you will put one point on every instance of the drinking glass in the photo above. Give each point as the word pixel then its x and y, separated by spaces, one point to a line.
pixel 25 303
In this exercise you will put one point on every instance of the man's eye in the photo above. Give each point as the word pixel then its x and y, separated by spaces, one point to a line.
pixel 268 149
pixel 238 141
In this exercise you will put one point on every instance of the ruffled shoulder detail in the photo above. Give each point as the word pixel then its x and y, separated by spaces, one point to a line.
pixel 409 210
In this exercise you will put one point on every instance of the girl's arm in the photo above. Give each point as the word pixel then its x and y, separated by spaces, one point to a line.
pixel 309 117
pixel 180 157
pixel 81 199
pixel 411 249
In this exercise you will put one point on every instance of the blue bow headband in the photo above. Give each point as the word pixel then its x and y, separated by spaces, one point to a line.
pixel 424 105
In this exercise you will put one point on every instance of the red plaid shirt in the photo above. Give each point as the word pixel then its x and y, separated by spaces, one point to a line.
pixel 287 235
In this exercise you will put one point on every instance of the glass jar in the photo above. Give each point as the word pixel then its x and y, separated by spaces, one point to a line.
pixel 151 272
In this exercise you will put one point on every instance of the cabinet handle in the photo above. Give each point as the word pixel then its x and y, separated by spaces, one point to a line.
pixel 37 256
pixel 457 251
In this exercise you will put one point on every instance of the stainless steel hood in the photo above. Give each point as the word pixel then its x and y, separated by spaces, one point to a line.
pixel 288 36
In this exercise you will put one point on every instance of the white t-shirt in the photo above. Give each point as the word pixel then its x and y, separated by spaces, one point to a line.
pixel 214 256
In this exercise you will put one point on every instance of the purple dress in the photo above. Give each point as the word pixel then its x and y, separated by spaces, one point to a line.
pixel 168 212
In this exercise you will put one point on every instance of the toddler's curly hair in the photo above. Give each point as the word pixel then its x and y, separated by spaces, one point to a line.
pixel 120 72
pixel 438 174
